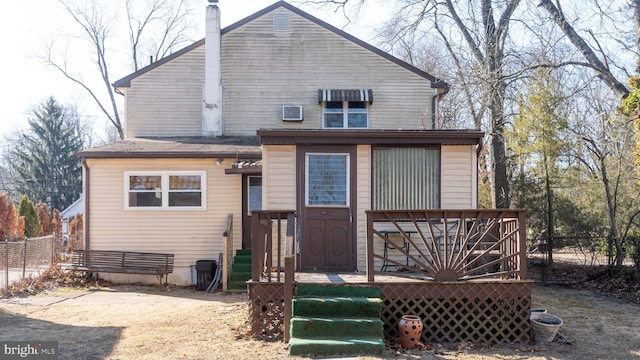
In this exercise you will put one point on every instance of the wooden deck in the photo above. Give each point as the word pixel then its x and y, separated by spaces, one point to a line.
pixel 360 278
pixel 480 311
pixel 462 271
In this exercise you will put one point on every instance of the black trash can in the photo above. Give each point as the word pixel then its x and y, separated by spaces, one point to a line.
pixel 205 270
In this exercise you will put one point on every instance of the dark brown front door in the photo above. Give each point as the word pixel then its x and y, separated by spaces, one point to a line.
pixel 326 204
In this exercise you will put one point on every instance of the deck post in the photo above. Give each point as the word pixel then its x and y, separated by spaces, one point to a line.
pixel 369 235
pixel 267 266
pixel 522 244
pixel 288 294
pixel 257 246
pixel 279 247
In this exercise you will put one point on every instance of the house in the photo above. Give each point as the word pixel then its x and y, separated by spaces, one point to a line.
pixel 71 211
pixel 284 113
pixel 321 115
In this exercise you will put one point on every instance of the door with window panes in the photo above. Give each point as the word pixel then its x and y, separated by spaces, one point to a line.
pixel 326 203
pixel 251 200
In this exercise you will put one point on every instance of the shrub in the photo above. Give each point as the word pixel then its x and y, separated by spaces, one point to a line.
pixel 26 209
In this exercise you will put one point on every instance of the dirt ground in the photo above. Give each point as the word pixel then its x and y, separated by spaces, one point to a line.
pixel 137 322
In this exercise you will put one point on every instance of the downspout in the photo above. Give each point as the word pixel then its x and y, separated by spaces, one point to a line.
pixel 433 111
pixel 478 153
pixel 87 195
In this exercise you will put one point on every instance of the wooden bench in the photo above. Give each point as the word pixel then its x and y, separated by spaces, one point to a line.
pixel 126 262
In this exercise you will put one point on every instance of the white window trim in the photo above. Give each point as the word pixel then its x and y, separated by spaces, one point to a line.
pixel 345 116
pixel 165 190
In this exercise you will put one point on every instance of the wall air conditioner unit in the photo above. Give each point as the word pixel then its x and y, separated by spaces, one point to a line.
pixel 292 112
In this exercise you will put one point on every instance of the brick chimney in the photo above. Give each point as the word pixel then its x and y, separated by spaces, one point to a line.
pixel 212 91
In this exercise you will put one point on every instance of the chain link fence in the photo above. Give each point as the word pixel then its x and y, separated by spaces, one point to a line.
pixel 31 257
pixel 568 250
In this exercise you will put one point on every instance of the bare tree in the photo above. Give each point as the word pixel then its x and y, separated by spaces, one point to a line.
pixel 157 28
pixel 605 150
pixel 483 27
pixel 635 4
pixel 602 69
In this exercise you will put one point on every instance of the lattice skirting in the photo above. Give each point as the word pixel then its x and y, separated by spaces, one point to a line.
pixel 483 312
pixel 266 309
pixel 454 312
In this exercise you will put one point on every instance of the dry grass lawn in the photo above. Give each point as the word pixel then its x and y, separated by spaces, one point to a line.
pixel 135 322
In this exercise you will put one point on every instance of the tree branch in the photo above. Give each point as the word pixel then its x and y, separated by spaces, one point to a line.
pixel 618 88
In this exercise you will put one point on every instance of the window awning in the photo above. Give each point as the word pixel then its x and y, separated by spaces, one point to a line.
pixel 365 95
pixel 252 167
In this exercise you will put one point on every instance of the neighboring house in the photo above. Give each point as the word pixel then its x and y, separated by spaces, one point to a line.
pixel 73 210
pixel 278 111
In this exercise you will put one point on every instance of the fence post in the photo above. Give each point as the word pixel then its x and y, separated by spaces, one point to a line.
pixel 6 263
pixel 53 248
pixel 24 258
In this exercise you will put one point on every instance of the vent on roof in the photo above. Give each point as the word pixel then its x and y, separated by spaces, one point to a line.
pixel 291 112
pixel 281 21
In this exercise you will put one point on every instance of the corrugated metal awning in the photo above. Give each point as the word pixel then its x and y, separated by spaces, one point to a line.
pixel 253 167
pixel 365 95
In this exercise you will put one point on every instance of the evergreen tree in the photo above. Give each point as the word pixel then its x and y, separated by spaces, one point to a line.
pixel 27 210
pixel 43 162
pixel 631 108
pixel 538 144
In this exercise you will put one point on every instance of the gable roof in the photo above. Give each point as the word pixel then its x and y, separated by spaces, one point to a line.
pixel 73 209
pixel 435 82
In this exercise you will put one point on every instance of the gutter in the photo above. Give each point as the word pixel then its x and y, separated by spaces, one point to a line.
pixel 87 202
pixel 169 155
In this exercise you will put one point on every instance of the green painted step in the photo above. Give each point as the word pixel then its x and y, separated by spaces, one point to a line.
pixel 336 307
pixel 241 252
pixel 240 276
pixel 242 259
pixel 240 271
pixel 336 320
pixel 241 267
pixel 313 327
pixel 354 346
pixel 317 290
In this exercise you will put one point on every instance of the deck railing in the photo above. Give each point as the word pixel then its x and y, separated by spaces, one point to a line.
pixel 447 245
pixel 227 252
pixel 429 245
pixel 272 238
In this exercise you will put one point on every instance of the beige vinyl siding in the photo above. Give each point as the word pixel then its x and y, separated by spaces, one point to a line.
pixel 167 101
pixel 189 234
pixel 364 203
pixel 459 177
pixel 263 70
pixel 279 177
pixel 279 183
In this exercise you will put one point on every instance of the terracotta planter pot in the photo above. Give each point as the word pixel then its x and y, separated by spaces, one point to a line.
pixel 410 327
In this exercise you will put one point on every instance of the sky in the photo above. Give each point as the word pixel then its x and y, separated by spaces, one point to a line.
pixel 26 27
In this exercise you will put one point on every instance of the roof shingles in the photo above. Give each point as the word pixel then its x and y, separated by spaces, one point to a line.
pixel 246 147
